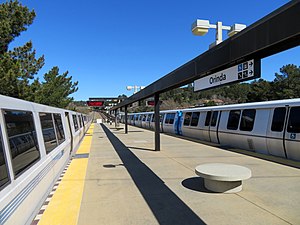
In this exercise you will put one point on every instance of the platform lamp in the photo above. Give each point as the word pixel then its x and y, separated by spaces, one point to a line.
pixel 200 28
pixel 135 88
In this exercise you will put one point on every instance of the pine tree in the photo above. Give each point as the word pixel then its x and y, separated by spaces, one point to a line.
pixel 287 84
pixel 14 18
pixel 56 88
pixel 18 67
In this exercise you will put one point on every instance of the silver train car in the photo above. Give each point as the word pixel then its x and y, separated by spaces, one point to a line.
pixel 36 143
pixel 271 128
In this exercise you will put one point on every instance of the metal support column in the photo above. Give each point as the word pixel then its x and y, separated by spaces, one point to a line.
pixel 116 118
pixel 126 122
pixel 157 122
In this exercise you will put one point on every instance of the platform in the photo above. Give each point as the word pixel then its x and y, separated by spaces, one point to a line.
pixel 122 180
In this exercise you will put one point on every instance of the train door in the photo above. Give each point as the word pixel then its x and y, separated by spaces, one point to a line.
pixel 161 116
pixel 170 125
pixel 70 131
pixel 292 134
pixel 213 127
pixel 206 133
pixel 276 131
pixel 82 120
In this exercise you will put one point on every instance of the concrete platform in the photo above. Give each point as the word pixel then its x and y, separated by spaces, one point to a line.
pixel 128 183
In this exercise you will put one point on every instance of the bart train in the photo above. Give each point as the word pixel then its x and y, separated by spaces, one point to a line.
pixel 36 143
pixel 271 128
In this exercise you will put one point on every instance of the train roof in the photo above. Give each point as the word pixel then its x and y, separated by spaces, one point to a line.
pixel 252 105
pixel 7 102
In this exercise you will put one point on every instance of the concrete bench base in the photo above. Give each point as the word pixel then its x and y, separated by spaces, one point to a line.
pixel 223 186
pixel 223 178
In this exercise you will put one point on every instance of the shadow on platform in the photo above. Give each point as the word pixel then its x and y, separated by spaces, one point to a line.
pixel 165 205
pixel 144 149
pixel 195 184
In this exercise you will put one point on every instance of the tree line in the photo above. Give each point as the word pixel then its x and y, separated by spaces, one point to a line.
pixel 20 66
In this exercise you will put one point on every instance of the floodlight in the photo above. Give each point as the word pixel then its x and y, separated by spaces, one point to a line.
pixel 200 27
pixel 235 28
pixel 129 88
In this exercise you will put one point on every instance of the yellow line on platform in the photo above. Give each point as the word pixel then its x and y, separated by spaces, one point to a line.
pixel 64 206
pixel 85 145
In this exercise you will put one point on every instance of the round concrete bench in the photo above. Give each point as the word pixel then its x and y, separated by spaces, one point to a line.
pixel 223 178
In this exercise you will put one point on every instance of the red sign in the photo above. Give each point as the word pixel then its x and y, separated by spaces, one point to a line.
pixel 150 103
pixel 95 103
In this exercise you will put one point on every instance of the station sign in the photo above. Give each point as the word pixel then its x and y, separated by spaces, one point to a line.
pixel 244 71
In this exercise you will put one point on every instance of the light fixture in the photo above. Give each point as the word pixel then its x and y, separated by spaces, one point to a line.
pixel 200 28
pixel 135 88
pixel 235 28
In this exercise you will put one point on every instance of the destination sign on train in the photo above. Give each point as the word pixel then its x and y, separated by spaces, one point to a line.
pixel 244 71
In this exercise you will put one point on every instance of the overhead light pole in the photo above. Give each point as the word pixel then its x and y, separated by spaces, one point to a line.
pixel 200 28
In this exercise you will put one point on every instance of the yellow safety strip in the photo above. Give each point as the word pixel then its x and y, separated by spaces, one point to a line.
pixel 64 206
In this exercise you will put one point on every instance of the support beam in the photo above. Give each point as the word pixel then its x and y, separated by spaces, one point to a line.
pixel 126 122
pixel 157 122
pixel 116 118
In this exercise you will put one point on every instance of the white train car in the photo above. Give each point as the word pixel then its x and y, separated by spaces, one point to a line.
pixel 265 127
pixel 271 128
pixel 36 143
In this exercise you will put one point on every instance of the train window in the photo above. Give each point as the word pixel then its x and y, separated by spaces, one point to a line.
pixel 59 128
pixel 75 122
pixel 187 119
pixel 22 139
pixel 294 120
pixel 149 118
pixel 153 118
pixel 247 121
pixel 161 117
pixel 278 119
pixel 167 118
pixel 170 118
pixel 48 131
pixel 195 119
pixel 4 178
pixel 80 124
pixel 214 119
pixel 233 119
pixel 207 119
pixel 82 120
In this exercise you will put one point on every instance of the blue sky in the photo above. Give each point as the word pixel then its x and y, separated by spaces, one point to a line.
pixel 107 45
